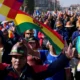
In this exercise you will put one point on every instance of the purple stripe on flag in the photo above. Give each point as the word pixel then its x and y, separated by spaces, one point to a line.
pixel 20 1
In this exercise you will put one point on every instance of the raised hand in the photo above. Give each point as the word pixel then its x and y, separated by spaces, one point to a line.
pixel 65 47
pixel 69 52
pixel 29 50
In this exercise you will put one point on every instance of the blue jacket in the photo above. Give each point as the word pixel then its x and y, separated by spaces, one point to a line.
pixel 75 34
pixel 63 33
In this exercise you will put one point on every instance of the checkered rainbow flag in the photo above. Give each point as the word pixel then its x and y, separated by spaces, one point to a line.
pixel 9 8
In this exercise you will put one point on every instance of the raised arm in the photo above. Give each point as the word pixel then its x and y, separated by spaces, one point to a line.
pixel 59 64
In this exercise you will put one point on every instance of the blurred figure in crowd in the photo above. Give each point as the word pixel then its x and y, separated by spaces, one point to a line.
pixel 61 30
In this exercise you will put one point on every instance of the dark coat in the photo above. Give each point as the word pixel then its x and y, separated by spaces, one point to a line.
pixel 28 73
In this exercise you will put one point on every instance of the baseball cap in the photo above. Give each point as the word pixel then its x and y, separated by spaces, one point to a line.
pixel 18 49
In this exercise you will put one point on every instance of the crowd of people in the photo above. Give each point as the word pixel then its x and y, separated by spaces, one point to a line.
pixel 33 57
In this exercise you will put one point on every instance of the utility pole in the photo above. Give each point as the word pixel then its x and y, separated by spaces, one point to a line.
pixel 55 5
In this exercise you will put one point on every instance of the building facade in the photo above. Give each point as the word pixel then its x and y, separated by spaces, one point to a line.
pixel 46 4
pixel 41 4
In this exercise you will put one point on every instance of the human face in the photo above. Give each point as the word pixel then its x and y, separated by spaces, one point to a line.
pixel 28 34
pixel 78 28
pixel 18 62
pixel 5 33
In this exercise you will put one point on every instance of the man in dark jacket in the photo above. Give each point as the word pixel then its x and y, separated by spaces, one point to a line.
pixel 20 70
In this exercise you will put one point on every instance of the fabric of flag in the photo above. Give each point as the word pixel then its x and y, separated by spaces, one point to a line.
pixel 25 22
pixel 9 9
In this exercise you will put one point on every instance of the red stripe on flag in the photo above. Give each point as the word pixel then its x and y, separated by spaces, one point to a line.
pixel 9 3
pixel 12 13
pixel 16 5
pixel 52 31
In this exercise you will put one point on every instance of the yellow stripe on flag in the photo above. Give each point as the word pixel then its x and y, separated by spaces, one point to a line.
pixel 23 19
pixel 53 38
pixel 1 1
pixel 4 10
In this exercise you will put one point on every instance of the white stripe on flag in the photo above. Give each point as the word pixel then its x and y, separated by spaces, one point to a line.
pixel 0 4
pixel 2 18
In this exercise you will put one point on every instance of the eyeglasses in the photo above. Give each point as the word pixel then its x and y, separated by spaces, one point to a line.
pixel 29 33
